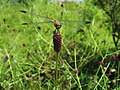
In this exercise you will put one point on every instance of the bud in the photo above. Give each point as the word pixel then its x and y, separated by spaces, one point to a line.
pixel 57 24
pixel 115 57
pixel 102 63
pixel 5 58
pixel 96 53
pixel 75 71
pixel 57 40
pixel 61 4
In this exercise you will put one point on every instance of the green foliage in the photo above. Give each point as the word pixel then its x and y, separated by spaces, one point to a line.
pixel 84 62
pixel 112 9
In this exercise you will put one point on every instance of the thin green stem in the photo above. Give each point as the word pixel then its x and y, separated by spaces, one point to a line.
pixel 75 58
pixel 118 74
pixel 79 84
pixel 98 83
pixel 56 74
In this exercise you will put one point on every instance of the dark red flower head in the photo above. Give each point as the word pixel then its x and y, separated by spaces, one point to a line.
pixel 57 40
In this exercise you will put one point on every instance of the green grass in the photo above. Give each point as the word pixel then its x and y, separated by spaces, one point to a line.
pixel 31 56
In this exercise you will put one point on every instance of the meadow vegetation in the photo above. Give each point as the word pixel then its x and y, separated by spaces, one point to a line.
pixel 88 59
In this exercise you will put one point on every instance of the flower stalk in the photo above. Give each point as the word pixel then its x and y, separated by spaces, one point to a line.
pixel 57 41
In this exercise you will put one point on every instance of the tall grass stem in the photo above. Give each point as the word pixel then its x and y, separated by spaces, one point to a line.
pixel 56 73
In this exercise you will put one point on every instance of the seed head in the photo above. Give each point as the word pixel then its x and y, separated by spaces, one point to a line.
pixel 38 27
pixel 5 58
pixel 115 57
pixel 57 40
